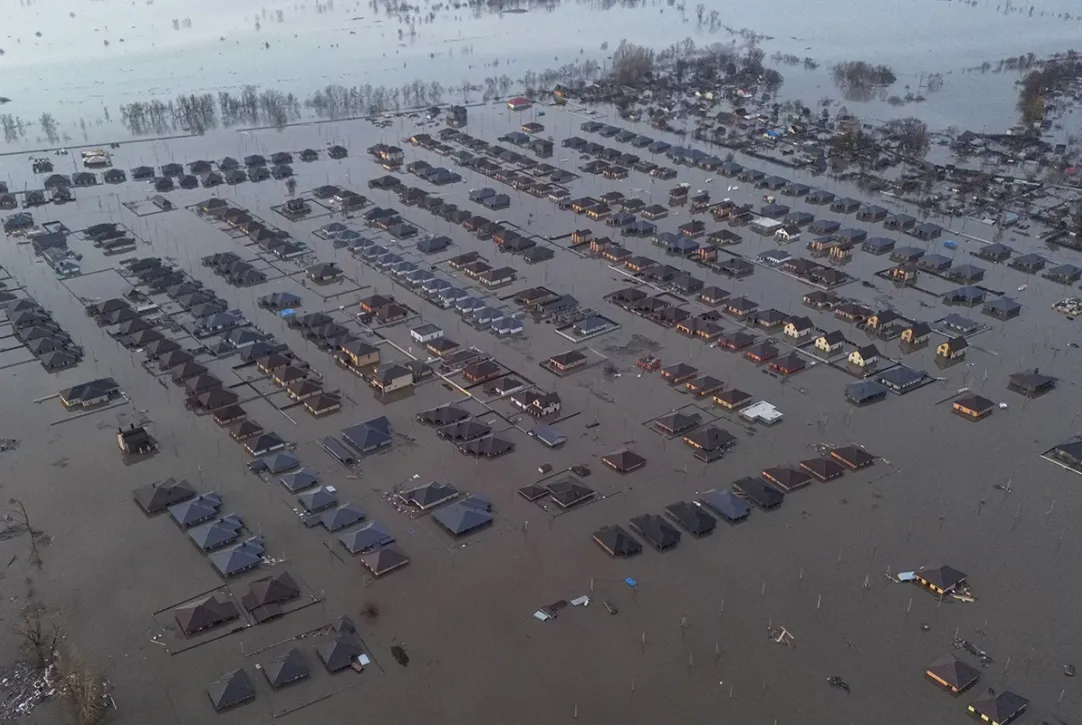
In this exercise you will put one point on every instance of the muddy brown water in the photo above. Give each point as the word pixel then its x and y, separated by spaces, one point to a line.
pixel 462 609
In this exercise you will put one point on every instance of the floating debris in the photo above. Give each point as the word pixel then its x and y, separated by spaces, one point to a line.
pixel 23 688
pixel 972 649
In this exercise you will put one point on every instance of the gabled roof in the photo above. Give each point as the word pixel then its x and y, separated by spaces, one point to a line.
pixel 194 510
pixel 367 537
pixel 286 668
pixel 158 496
pixel 218 533
pixel 568 492
pixel 443 415
pixel 204 614
pixel 823 468
pixel 275 462
pixel 232 689
pixel 341 517
pixel 853 456
pixel 429 495
pixel 489 446
pixel 265 443
pixel 787 479
pixel 239 558
pixel 271 590
pixel 90 390
pixel 367 437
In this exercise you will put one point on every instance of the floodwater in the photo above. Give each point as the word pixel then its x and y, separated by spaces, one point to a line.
pixel 462 609
pixel 113 53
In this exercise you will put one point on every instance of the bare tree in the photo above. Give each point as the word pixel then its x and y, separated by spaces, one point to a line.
pixel 84 689
pixel 631 63
pixel 38 633
pixel 23 525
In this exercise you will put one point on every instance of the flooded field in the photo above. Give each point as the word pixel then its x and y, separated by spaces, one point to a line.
pixel 693 634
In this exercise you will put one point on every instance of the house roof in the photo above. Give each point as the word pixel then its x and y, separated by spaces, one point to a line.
pixel 801 323
pixel 217 534
pixel 246 429
pixel 711 438
pixel 341 517
pixel 318 499
pixel 194 510
pixel 271 590
pixel 677 422
pixel 265 444
pixel 867 351
pixel 367 537
pixel 954 672
pixel 823 468
pixel 725 503
pixel 692 518
pixel 759 492
pixel 460 519
pixel 786 478
pixel 231 689
pixel 158 496
pixel 976 403
pixel 657 532
pixel 1032 380
pixel 943 576
pixel 1000 708
pixel 300 480
pixel 366 437
pixel 286 668
pixel 338 652
pixel 900 376
pixel 617 541
pixel 568 492
pixel 624 461
pixel 384 560
pixel 489 446
pixel 275 462
pixel 429 495
pixel 90 390
pixel 853 456
pixel 239 558
pixel 205 613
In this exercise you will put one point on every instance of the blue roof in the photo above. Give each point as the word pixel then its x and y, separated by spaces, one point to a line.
pixel 726 503
pixel 549 435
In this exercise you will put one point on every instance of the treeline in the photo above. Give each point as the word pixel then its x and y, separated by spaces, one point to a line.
pixel 1052 79
pixel 859 80
pixel 197 114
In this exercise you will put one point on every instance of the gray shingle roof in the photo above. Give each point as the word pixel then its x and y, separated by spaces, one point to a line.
pixel 369 536
pixel 232 689
pixel 286 668
pixel 460 519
